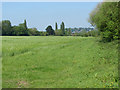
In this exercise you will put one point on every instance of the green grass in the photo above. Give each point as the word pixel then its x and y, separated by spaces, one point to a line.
pixel 58 62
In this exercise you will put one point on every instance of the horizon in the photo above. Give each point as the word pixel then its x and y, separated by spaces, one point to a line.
pixel 73 14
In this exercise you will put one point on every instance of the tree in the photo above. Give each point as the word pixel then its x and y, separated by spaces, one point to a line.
pixel 42 33
pixel 33 32
pixel 66 32
pixel 25 24
pixel 50 31
pixel 62 27
pixel 22 30
pixel 0 28
pixel 15 31
pixel 69 31
pixel 58 32
pixel 56 26
pixel 6 27
pixel 105 17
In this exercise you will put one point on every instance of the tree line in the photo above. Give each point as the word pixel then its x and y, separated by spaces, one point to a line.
pixel 23 30
pixel 84 33
pixel 105 17
pixel 20 30
pixel 59 32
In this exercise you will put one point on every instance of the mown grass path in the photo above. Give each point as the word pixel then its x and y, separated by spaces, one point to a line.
pixel 58 62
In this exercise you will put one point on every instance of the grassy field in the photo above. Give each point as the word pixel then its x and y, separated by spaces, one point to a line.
pixel 58 62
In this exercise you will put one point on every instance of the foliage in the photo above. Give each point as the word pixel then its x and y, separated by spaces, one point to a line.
pixel 25 24
pixel 9 30
pixel 21 30
pixel 0 28
pixel 58 32
pixel 15 31
pixel 68 32
pixel 62 27
pixel 62 31
pixel 56 26
pixel 6 27
pixel 84 33
pixel 33 32
pixel 50 31
pixel 106 19
pixel 43 33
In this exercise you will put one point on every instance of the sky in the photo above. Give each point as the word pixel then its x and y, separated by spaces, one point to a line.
pixel 42 14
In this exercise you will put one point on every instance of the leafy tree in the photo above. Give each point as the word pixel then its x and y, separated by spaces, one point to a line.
pixel 69 31
pixel 106 19
pixel 58 32
pixel 63 28
pixel 119 23
pixel 6 27
pixel 25 24
pixel 15 31
pixel 0 28
pixel 93 33
pixel 66 32
pixel 33 32
pixel 22 30
pixel 43 33
pixel 50 31
pixel 56 26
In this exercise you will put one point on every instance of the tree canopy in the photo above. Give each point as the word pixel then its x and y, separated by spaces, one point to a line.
pixel 56 26
pixel 6 27
pixel 105 17
pixel 50 30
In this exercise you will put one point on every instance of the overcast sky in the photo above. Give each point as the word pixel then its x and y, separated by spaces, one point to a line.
pixel 42 14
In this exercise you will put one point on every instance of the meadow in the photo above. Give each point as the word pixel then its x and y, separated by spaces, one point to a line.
pixel 58 62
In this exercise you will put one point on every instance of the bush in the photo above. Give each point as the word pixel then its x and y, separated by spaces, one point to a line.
pixel 106 19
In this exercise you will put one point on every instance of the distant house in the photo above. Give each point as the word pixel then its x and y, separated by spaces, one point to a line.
pixel 78 30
